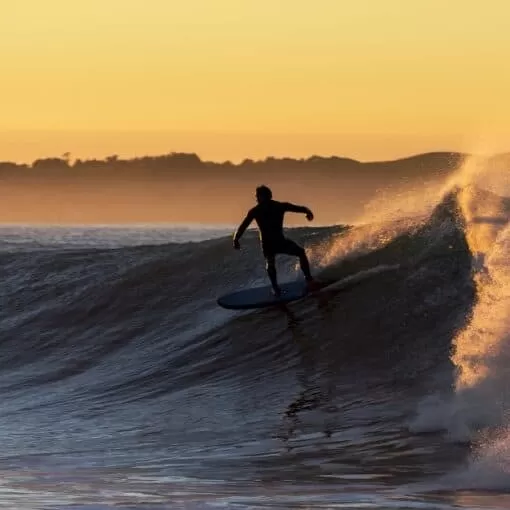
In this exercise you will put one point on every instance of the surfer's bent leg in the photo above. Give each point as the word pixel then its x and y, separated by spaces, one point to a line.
pixel 292 248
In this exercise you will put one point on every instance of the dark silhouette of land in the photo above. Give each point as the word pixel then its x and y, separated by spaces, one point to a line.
pixel 180 187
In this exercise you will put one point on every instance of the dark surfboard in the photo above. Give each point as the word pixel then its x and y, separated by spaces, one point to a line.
pixel 260 297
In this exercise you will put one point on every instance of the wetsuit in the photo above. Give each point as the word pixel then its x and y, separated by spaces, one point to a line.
pixel 269 218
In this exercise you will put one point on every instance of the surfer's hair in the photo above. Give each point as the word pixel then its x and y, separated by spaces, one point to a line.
pixel 264 192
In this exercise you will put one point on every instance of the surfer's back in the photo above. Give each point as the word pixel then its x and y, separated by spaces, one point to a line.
pixel 269 216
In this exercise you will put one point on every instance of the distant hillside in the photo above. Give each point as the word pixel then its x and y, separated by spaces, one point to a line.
pixel 181 187
pixel 184 162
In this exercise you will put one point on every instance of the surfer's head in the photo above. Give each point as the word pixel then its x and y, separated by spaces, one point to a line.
pixel 264 194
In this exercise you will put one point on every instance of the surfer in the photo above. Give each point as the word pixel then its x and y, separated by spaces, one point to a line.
pixel 268 215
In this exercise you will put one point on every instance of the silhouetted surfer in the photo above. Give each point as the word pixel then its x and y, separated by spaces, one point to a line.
pixel 269 217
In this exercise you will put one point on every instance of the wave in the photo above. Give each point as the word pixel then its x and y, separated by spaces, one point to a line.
pixel 76 311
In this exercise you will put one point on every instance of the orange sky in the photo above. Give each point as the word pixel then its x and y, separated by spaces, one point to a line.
pixel 239 78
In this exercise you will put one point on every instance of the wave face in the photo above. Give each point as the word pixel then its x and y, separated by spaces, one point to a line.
pixel 124 384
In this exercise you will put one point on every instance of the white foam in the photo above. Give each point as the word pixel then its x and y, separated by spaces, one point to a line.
pixel 488 468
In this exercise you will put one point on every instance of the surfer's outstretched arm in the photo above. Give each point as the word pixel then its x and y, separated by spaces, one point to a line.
pixel 242 227
pixel 299 209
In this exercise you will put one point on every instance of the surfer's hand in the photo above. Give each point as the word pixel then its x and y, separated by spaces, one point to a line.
pixel 236 244
pixel 309 215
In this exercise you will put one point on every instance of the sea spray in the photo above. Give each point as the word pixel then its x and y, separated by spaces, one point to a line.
pixel 391 214
pixel 480 356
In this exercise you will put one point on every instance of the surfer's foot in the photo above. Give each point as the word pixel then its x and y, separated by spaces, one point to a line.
pixel 277 291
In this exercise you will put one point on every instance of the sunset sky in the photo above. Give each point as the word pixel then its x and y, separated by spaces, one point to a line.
pixel 230 79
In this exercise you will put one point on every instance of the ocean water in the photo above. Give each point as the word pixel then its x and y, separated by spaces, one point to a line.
pixel 124 386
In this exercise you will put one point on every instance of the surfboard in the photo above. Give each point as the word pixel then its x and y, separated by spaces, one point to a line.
pixel 259 297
